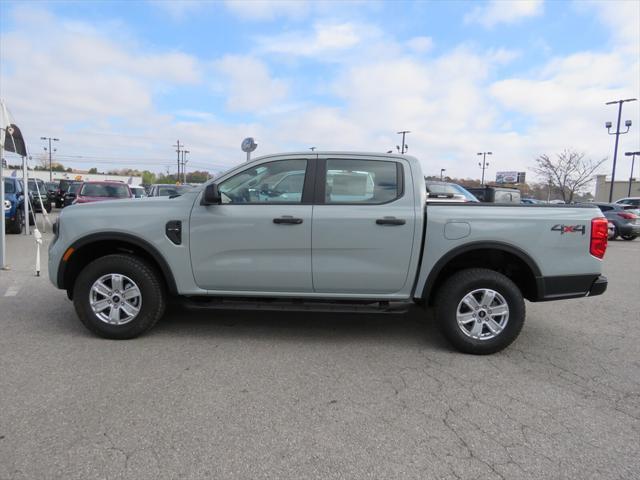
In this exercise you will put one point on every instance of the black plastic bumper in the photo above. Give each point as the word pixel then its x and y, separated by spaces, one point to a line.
pixel 570 286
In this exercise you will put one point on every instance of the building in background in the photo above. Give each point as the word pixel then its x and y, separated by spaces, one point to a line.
pixel 79 176
pixel 620 188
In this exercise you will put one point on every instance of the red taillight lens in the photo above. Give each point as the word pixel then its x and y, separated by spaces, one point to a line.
pixel 627 216
pixel 599 235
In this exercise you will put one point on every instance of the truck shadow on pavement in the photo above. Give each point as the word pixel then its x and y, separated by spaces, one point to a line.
pixel 414 327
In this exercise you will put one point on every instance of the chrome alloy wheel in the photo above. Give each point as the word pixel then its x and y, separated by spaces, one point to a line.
pixel 115 299
pixel 482 314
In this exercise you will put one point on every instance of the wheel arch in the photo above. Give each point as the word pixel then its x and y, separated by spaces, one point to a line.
pixel 91 247
pixel 503 257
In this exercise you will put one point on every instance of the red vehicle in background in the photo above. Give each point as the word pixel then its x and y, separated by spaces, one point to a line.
pixel 101 191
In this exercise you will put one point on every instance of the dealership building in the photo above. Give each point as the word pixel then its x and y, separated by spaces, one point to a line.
pixel 620 188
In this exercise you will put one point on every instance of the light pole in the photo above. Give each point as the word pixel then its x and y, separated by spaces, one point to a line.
pixel 184 165
pixel 442 170
pixel 404 147
pixel 633 161
pixel 50 139
pixel 484 164
pixel 617 133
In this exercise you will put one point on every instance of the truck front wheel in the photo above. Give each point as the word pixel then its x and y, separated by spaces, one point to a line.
pixel 119 296
pixel 480 311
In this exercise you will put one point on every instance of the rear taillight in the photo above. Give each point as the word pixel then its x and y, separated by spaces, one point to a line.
pixel 627 216
pixel 599 236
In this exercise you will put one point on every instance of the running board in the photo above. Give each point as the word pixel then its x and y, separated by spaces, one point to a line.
pixel 213 303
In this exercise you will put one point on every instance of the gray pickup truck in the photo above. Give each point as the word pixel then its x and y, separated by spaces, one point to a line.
pixel 329 231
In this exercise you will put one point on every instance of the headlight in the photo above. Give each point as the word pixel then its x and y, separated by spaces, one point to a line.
pixel 7 205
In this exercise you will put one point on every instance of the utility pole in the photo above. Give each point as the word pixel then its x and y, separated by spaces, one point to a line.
pixel 404 147
pixel 442 170
pixel 184 166
pixel 177 145
pixel 617 133
pixel 633 161
pixel 484 164
pixel 55 140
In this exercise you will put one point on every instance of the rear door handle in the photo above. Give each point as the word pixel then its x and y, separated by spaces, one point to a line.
pixel 286 220
pixel 390 221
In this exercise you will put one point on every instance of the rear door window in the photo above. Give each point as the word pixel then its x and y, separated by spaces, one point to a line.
pixel 362 181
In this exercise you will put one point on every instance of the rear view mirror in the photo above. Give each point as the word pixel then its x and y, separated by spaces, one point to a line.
pixel 211 195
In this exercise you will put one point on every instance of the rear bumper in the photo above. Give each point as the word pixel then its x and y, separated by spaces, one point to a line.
pixel 570 286
pixel 628 229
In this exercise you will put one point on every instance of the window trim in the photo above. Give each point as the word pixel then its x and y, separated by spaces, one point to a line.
pixel 308 187
pixel 321 182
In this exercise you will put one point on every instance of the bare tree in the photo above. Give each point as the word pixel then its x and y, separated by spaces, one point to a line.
pixel 570 172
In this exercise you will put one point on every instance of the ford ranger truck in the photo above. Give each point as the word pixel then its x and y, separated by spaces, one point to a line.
pixel 326 231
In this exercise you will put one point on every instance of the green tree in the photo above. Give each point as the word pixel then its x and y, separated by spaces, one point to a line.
pixel 148 177
pixel 93 170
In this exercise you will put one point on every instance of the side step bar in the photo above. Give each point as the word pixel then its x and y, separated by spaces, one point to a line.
pixel 213 303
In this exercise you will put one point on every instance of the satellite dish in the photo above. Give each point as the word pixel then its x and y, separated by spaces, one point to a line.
pixel 248 145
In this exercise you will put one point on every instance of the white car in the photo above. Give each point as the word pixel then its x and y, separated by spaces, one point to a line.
pixel 138 191
pixel 635 201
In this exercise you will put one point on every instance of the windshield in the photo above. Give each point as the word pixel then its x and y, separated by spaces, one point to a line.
pixel 107 190
pixel 170 190
pixel 450 189
pixel 74 187
pixel 32 186
pixel 9 186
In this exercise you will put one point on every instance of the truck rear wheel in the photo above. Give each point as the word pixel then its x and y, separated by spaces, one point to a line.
pixel 119 296
pixel 480 311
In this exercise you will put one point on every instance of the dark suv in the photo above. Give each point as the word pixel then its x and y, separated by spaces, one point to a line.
pixel 625 219
pixel 41 190
pixel 63 186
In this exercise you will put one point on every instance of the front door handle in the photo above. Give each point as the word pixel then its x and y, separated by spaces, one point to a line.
pixel 286 220
pixel 390 221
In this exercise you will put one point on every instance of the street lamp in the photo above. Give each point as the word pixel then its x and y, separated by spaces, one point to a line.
pixel 633 161
pixel 442 170
pixel 617 133
pixel 404 147
pixel 50 139
pixel 484 164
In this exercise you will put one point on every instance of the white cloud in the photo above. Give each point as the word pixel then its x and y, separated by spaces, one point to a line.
pixel 268 9
pixel 420 44
pixel 249 85
pixel 504 11
pixel 325 39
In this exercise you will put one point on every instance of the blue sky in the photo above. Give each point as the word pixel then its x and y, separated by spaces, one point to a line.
pixel 119 82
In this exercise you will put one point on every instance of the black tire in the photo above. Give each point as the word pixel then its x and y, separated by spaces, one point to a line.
pixel 32 217
pixel 15 227
pixel 148 281
pixel 456 287
pixel 628 237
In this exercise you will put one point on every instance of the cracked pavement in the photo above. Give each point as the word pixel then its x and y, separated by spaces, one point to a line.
pixel 327 396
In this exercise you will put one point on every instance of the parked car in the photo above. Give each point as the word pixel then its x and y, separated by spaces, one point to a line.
pixel 530 201
pixel 168 190
pixel 447 192
pixel 625 219
pixel 138 191
pixel 100 191
pixel 635 201
pixel 496 194
pixel 13 206
pixel 39 190
pixel 52 187
pixel 63 186
pixel 233 244
pixel 611 229
pixel 71 193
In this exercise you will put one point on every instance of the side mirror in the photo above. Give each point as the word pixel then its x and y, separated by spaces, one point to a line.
pixel 211 195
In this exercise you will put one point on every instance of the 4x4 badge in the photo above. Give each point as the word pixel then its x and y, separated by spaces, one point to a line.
pixel 569 229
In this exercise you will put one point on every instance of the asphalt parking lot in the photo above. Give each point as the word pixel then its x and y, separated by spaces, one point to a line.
pixel 272 395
